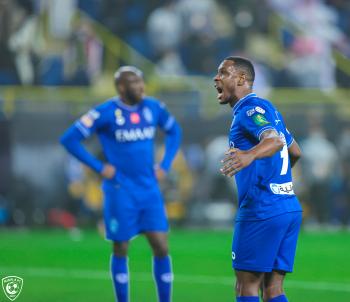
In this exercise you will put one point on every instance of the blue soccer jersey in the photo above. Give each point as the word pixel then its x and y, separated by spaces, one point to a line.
pixel 265 187
pixel 126 134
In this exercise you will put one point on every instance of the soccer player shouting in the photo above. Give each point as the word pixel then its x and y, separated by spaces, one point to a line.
pixel 261 155
pixel 133 204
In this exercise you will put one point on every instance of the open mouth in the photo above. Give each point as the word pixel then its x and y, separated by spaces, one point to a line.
pixel 220 92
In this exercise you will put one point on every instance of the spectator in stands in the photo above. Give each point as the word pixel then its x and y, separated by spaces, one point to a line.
pixel 164 27
pixel 25 42
pixel 82 57
pixel 8 73
pixel 320 161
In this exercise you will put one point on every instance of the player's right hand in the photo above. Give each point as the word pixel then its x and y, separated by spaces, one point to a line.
pixel 108 171
pixel 235 160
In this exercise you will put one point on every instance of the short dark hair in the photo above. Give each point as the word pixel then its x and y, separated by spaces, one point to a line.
pixel 244 65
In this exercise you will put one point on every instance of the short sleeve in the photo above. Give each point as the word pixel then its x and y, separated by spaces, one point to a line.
pixel 287 135
pixel 256 120
pixel 289 138
pixel 165 119
pixel 89 122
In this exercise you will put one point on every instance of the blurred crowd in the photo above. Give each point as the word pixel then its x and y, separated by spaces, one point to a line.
pixel 291 41
pixel 324 181
pixel 43 43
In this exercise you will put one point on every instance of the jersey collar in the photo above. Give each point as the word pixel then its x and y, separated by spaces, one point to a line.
pixel 242 100
pixel 126 106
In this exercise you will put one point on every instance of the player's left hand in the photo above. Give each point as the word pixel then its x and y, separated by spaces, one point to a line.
pixel 234 161
pixel 160 173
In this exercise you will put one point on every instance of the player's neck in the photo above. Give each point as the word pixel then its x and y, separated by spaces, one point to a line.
pixel 128 102
pixel 240 95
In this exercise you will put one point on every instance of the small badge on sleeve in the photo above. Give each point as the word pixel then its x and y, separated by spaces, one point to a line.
pixel 89 118
pixel 260 120
pixel 260 110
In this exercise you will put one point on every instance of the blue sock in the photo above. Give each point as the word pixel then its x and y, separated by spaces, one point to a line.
pixel 163 276
pixel 247 299
pixel 281 298
pixel 120 277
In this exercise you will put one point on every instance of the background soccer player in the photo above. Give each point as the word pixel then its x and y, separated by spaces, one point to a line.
pixel 261 155
pixel 133 204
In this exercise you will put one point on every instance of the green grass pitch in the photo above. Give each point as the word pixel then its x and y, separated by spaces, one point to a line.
pixel 58 267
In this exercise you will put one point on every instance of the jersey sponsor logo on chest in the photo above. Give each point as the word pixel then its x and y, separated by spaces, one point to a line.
pixel 135 134
pixel 282 189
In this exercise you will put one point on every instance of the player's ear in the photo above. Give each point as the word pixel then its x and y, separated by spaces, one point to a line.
pixel 241 79
pixel 120 88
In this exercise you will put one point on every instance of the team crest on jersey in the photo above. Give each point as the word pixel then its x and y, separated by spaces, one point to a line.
pixel 260 120
pixel 135 118
pixel 147 115
pixel 119 118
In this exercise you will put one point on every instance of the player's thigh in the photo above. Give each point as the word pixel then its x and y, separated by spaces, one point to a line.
pixel 153 216
pixel 273 279
pixel 159 242
pixel 256 244
pixel 120 214
pixel 285 257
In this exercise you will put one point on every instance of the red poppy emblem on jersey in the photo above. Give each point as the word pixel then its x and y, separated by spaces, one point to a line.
pixel 134 118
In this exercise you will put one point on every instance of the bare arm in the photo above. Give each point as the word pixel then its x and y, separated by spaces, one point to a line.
pixel 270 143
pixel 294 153
pixel 235 159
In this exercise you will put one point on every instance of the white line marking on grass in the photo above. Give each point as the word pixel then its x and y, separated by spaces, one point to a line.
pixel 46 272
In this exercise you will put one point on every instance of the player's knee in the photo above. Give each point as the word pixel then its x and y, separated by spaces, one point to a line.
pixel 120 249
pixel 272 291
pixel 160 250
pixel 246 288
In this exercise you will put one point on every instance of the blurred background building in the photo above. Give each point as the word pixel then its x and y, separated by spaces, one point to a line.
pixel 57 59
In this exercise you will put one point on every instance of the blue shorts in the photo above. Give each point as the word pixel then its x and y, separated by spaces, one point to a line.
pixel 266 245
pixel 129 212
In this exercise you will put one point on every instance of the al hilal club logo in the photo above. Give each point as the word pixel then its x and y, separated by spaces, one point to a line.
pixel 12 286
